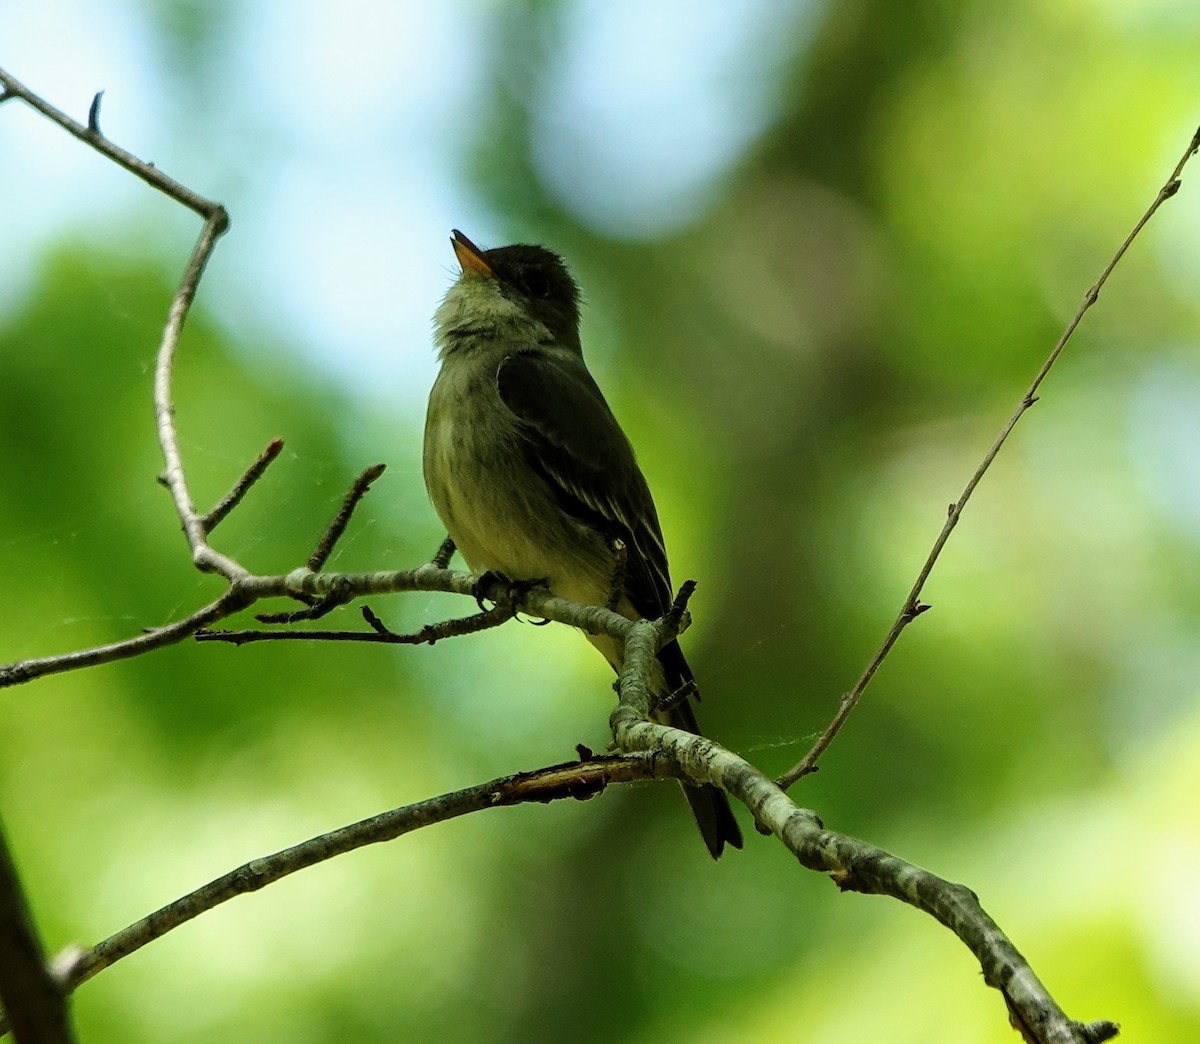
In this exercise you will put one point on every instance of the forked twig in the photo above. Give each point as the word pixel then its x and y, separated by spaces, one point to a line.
pixel 318 607
pixel 912 606
pixel 216 222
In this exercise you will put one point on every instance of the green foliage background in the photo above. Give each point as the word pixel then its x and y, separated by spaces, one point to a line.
pixel 810 370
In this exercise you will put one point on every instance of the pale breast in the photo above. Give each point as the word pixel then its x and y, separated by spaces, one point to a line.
pixel 499 512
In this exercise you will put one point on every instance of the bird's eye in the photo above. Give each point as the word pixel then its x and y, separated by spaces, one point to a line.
pixel 536 283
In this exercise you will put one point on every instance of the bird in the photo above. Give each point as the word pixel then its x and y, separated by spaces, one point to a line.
pixel 532 475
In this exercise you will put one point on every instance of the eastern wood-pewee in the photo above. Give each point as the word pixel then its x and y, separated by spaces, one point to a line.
pixel 532 475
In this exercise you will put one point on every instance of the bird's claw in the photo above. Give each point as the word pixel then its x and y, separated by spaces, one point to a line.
pixel 499 589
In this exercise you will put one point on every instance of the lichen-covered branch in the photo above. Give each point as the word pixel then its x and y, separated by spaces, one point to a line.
pixel 853 865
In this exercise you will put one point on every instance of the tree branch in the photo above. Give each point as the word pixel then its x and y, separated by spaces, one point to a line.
pixel 194 525
pixel 34 1002
pixel 216 222
pixel 343 587
pixel 912 606
pixel 578 779
pixel 653 751
pixel 853 865
pixel 21 671
pixel 155 178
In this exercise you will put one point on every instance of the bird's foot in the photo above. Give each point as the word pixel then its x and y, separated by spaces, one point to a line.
pixel 499 589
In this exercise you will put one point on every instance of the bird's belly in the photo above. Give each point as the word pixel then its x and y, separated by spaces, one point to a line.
pixel 502 518
pixel 491 536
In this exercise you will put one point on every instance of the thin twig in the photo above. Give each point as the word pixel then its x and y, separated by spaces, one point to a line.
pixel 317 608
pixel 93 123
pixel 455 627
pixel 676 618
pixel 20 671
pixel 206 208
pixel 204 557
pixel 912 606
pixel 338 526
pixel 251 475
pixel 427 635
pixel 374 622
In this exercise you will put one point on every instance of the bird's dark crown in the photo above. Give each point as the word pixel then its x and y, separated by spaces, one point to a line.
pixel 541 278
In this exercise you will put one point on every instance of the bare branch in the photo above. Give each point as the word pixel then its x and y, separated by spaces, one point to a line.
pixel 317 608
pixel 912 606
pixel 579 780
pixel 342 587
pixel 216 222
pixel 203 556
pixel 206 208
pixel 22 671
pixel 379 633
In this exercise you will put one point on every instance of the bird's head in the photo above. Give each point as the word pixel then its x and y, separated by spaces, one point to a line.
pixel 520 293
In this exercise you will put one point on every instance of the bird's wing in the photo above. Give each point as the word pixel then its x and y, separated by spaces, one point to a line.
pixel 574 443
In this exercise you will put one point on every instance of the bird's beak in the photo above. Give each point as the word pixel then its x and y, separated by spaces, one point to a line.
pixel 470 257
